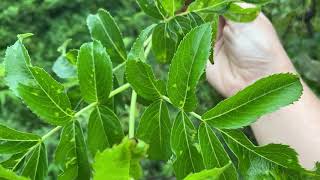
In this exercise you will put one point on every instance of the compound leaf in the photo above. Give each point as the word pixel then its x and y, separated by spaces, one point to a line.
pixel 46 97
pixel 240 14
pixel 213 153
pixel 94 73
pixel 6 174
pixel 103 28
pixel 122 162
pixel 212 174
pixel 12 141
pixel 71 153
pixel 104 129
pixel 187 157
pixel 264 96
pixel 35 164
pixel 141 78
pixel 187 66
pixel 153 8
pixel 154 129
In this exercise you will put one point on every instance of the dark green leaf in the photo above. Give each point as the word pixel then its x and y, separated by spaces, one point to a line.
pixel 137 50
pixel 187 67
pixel 141 78
pixel 121 162
pixel 6 174
pixel 154 129
pixel 187 157
pixel 211 174
pixel 240 14
pixel 213 153
pixel 71 153
pixel 103 28
pixel 276 154
pixel 94 73
pixel 12 141
pixel 104 129
pixel 35 163
pixel 264 96
pixel 152 8
pixel 46 97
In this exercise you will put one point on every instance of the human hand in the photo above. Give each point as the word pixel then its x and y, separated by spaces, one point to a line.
pixel 245 52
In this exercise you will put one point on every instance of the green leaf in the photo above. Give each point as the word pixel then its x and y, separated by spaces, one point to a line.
pixel 64 69
pixel 141 78
pixel 71 153
pixel 239 14
pixel 46 97
pixel 104 129
pixel 277 154
pixel 212 174
pixel 137 49
pixel 259 2
pixel 6 174
pixel 182 140
pixel 153 8
pixel 154 129
pixel 94 73
pixel 16 64
pixel 121 162
pixel 12 141
pixel 187 66
pixel 171 6
pixel 167 36
pixel 264 96
pixel 35 163
pixel 213 153
pixel 2 70
pixel 209 6
pixel 103 28
pixel 35 86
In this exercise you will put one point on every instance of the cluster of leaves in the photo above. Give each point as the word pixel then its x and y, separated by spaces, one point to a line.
pixel 195 150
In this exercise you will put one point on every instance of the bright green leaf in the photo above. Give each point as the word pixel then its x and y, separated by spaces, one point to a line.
pixel 120 162
pixel 104 129
pixel 154 129
pixel 259 2
pixel 213 153
pixel 35 163
pixel 103 28
pixel 171 6
pixel 94 73
pixel 71 153
pixel 211 174
pixel 141 78
pixel 46 97
pixel 6 174
pixel 209 6
pixel 264 96
pixel 187 67
pixel 240 14
pixel 137 50
pixel 12 141
pixel 153 8
pixel 187 157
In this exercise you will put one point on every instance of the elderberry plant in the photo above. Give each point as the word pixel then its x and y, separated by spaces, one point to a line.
pixel 199 147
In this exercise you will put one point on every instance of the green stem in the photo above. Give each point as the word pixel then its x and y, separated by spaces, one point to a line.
pixel 50 133
pixel 132 114
pixel 85 109
pixel 118 67
pixel 119 90
pixel 191 113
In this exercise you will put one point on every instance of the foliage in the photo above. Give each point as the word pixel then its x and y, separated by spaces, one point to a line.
pixel 93 137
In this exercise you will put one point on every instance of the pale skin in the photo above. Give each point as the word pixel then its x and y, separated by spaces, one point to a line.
pixel 246 52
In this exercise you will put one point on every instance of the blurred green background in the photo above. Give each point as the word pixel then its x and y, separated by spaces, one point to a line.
pixel 54 21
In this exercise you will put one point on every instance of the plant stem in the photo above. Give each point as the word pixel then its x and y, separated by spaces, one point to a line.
pixel 56 129
pixel 132 113
pixel 191 113
pixel 118 67
pixel 119 90
pixel 87 108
